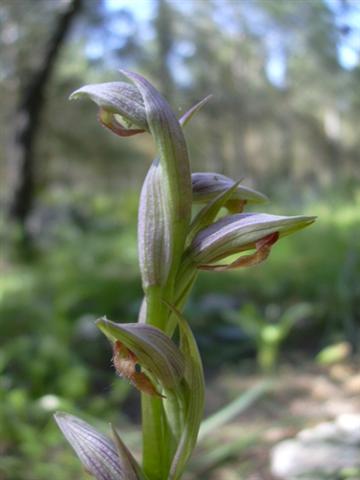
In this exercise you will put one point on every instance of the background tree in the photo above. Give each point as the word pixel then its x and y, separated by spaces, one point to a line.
pixel 27 122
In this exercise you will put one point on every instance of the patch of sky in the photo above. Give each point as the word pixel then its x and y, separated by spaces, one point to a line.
pixel 181 51
pixel 94 49
pixel 183 75
pixel 276 64
pixel 142 11
pixel 224 17
pixel 185 48
pixel 258 24
pixel 347 19
pixel 275 68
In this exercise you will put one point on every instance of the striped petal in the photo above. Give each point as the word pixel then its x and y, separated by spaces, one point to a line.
pixel 98 454
pixel 241 232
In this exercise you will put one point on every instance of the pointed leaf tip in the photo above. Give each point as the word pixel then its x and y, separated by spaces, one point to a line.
pixel 185 119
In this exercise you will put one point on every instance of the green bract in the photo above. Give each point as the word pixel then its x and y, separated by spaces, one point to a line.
pixel 155 236
pixel 194 396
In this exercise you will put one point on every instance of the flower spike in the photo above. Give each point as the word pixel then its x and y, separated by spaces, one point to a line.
pixel 172 247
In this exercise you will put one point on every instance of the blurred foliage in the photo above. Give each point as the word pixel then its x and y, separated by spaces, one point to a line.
pixel 292 133
pixel 333 354
pixel 270 330
pixel 53 357
pixel 319 267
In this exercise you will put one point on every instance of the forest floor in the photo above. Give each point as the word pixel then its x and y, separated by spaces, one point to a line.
pixel 302 395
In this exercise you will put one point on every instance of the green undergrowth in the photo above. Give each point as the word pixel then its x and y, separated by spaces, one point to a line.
pixel 79 270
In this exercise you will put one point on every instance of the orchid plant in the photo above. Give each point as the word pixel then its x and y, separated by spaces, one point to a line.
pixel 173 245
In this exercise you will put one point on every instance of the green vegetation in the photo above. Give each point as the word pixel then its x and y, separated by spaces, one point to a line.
pixel 50 346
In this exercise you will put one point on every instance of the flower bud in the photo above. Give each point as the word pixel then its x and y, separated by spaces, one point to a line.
pixel 155 235
pixel 206 186
pixel 172 180
pixel 121 105
pixel 241 232
pixel 148 346
pixel 98 454
pixel 208 213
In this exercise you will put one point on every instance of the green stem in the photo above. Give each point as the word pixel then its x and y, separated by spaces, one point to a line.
pixel 158 443
pixel 156 451
pixel 158 439
pixel 157 312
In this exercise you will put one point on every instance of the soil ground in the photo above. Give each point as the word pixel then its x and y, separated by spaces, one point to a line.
pixel 302 395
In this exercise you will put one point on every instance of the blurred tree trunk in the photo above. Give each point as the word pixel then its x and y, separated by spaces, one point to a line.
pixel 27 121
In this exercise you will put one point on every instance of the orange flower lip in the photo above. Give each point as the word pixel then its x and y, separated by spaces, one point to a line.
pixel 127 366
pixel 147 346
pixel 110 121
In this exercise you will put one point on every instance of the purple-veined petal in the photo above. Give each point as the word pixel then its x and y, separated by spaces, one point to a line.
pixel 97 453
pixel 236 233
pixel 118 98
pixel 208 185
